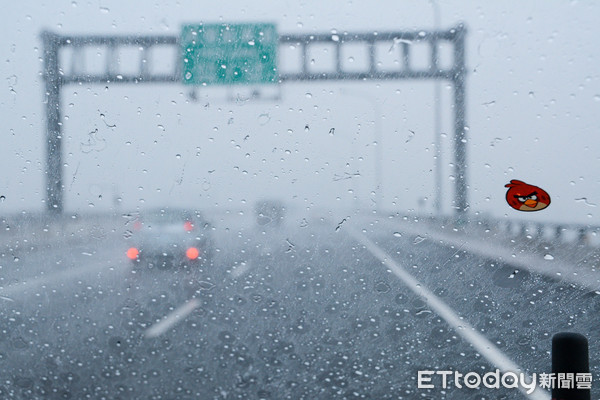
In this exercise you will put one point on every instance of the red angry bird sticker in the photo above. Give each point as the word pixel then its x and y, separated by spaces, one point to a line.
pixel 524 197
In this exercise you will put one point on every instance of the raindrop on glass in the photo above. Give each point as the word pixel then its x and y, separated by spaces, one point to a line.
pixel 418 239
pixel 263 119
pixel 204 285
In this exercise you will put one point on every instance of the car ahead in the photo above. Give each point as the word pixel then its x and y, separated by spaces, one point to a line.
pixel 169 239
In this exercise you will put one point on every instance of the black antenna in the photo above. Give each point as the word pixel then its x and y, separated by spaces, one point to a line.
pixel 571 367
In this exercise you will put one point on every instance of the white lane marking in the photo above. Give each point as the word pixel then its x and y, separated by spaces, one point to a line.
pixel 486 348
pixel 172 319
pixel 60 277
pixel 536 264
pixel 240 270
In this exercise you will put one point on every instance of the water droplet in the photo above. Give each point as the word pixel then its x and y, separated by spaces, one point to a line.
pixel 418 239
pixel 2 198
pixel 104 10
pixel 263 119
pixel 382 287
pixel 204 285
pixel 331 131
pixel 548 257
pixel 397 234
pixel 585 200
pixel 256 298
pixel 308 95
pixel 226 336
pixel 177 156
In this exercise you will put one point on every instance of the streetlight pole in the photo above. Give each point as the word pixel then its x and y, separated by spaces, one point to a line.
pixel 378 143
pixel 437 124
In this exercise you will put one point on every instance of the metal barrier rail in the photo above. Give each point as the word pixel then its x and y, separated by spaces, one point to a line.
pixel 555 232
pixel 580 234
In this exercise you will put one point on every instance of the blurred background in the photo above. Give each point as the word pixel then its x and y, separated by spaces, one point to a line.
pixel 533 97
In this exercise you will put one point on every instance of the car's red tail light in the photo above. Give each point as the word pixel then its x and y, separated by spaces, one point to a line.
pixel 192 253
pixel 188 226
pixel 132 253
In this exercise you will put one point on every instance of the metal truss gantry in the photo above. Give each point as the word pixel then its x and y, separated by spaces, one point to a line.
pixel 55 78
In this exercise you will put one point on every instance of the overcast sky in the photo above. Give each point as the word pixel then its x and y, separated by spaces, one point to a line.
pixel 533 107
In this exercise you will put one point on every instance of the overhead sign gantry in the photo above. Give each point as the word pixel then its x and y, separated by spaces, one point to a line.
pixel 228 54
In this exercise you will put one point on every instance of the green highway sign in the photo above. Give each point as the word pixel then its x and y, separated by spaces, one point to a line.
pixel 226 54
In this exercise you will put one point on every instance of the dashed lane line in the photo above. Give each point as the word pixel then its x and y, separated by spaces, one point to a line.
pixel 240 269
pixel 172 319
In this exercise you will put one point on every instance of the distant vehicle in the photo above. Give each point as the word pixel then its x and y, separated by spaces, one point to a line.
pixel 269 212
pixel 170 238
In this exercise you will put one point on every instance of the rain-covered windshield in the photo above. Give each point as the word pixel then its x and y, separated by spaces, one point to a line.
pixel 299 200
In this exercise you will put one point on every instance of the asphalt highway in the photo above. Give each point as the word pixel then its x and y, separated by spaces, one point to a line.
pixel 318 308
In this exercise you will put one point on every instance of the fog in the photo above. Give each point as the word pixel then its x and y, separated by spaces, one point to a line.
pixel 533 99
